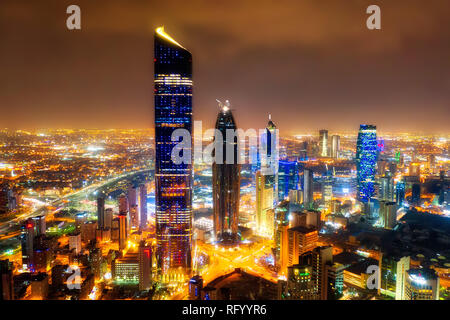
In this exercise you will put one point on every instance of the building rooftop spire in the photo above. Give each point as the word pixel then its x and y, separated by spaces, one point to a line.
pixel 160 31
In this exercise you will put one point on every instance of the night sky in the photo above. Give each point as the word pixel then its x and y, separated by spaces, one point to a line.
pixel 312 64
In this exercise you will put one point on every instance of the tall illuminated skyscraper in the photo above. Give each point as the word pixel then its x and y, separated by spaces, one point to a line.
pixel 366 159
pixel 143 205
pixel 173 182
pixel 323 143
pixel 226 181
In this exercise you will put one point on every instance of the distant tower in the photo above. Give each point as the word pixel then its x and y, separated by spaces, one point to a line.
pixel 226 180
pixel 335 146
pixel 323 143
pixel 101 212
pixel 366 159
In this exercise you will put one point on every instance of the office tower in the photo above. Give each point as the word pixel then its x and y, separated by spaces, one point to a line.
pixel 322 258
pixel 296 196
pixel 41 258
pixel 288 178
pixel 307 187
pixel 323 143
pixel 143 205
pixel 123 204
pixel 393 275
pixel 400 193
pixel 335 146
pixel 39 225
pixel 414 169
pixel 386 191
pixel 132 196
pixel 264 203
pixel 88 231
pixel 388 214
pixel 101 212
pixel 39 286
pixel 125 270
pixel 270 156
pixel 114 229
pixel 6 280
pixel 300 240
pixel 134 216
pixel 300 285
pixel 145 266
pixel 173 182
pixel 75 242
pixel 422 284
pixel 415 194
pixel 80 219
pixel 27 242
pixel 366 159
pixel 107 222
pixel 123 231
pixel 281 242
pixel 195 288
pixel 95 262
pixel 226 179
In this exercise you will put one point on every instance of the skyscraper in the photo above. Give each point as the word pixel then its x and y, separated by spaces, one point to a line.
pixel 123 231
pixel 323 143
pixel 173 182
pixel 422 284
pixel 27 241
pixel 288 178
pixel 143 205
pixel 226 180
pixel 366 159
pixel 335 146
pixel 270 156
pixel 101 212
pixel 6 280
pixel 264 203
pixel 145 266
pixel 307 187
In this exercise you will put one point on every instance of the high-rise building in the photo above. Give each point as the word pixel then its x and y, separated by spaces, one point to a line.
pixel 386 191
pixel 75 242
pixel 123 231
pixel 134 216
pixel 264 202
pixel 173 182
pixel 415 194
pixel 400 193
pixel 366 159
pixel 393 275
pixel 335 146
pixel 132 196
pixel 323 143
pixel 270 156
pixel 226 179
pixel 143 205
pixel 422 284
pixel 195 288
pixel 39 226
pixel 307 187
pixel 300 240
pixel 101 212
pixel 145 266
pixel 27 242
pixel 388 214
pixel 123 204
pixel 288 178
pixel 6 280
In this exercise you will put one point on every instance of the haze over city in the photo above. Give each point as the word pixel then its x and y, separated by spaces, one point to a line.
pixel 310 64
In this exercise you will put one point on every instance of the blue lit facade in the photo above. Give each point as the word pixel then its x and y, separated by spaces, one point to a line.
pixel 288 178
pixel 173 182
pixel 366 159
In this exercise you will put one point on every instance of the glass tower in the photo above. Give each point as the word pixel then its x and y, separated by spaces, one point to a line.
pixel 226 181
pixel 288 178
pixel 173 182
pixel 366 159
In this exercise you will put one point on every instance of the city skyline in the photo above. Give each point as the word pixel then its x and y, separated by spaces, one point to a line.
pixel 298 71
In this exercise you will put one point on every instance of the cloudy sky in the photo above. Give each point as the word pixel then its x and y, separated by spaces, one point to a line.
pixel 312 64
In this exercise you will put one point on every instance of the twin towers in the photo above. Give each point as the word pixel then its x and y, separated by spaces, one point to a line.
pixel 174 182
